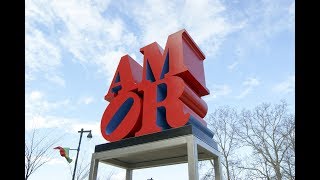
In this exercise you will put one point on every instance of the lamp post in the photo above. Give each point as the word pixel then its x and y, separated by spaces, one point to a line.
pixel 88 136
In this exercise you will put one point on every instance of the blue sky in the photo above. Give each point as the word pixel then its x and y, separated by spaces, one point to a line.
pixel 73 48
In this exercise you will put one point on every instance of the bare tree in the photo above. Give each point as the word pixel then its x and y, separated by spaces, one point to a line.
pixel 37 151
pixel 106 176
pixel 269 131
pixel 289 159
pixel 256 168
pixel 209 171
pixel 222 123
pixel 83 170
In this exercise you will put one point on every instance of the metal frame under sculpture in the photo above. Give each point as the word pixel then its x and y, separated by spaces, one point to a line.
pixel 155 115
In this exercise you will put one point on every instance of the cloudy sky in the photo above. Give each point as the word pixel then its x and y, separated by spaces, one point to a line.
pixel 73 48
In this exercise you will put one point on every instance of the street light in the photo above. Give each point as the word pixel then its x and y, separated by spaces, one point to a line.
pixel 88 136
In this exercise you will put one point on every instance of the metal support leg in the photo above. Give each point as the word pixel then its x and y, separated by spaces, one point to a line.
pixel 192 159
pixel 217 168
pixel 93 169
pixel 128 174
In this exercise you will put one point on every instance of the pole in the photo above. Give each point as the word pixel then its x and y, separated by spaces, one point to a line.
pixel 75 165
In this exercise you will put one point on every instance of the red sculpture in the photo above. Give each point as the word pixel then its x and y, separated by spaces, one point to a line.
pixel 165 93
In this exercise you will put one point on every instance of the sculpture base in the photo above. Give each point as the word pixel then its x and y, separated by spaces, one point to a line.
pixel 180 145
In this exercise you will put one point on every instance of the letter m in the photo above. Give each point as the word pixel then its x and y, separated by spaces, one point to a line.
pixel 182 57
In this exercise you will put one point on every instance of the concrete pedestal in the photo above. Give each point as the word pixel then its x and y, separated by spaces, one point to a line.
pixel 180 145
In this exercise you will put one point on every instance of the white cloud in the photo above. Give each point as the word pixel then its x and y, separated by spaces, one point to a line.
pixel 286 86
pixel 56 79
pixel 81 28
pixel 39 115
pixel 292 8
pixel 86 100
pixel 222 90
pixel 66 125
pixel 57 161
pixel 34 102
pixel 249 85
pixel 109 62
pixel 203 20
pixel 38 11
pixel 272 17
pixel 262 20
pixel 78 27
pixel 292 16
pixel 46 121
pixel 41 54
pixel 35 95
pixel 217 91
pixel 251 82
pixel 95 39
pixel 102 5
pixel 244 93
pixel 233 65
pixel 37 111
pixel 239 55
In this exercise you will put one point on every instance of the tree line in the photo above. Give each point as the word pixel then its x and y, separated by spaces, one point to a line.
pixel 256 143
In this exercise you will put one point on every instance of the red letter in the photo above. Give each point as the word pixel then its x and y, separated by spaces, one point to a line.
pixel 125 79
pixel 170 103
pixel 121 118
pixel 181 57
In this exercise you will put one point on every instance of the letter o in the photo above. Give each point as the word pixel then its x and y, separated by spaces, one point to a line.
pixel 122 117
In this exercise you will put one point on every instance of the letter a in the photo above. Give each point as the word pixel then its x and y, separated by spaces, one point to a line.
pixel 126 78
